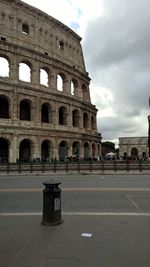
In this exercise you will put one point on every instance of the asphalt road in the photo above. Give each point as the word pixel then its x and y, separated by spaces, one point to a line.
pixel 128 194
pixel 114 210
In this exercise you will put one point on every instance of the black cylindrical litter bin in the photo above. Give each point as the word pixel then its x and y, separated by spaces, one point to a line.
pixel 51 203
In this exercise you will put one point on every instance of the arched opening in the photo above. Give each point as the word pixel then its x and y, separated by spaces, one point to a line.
pixel 134 153
pixel 63 150
pixel 85 92
pixel 44 77
pixel 25 150
pixel 85 120
pixel 93 122
pixel 76 148
pixel 45 150
pixel 60 83
pixel 4 69
pixel 86 151
pixel 61 45
pixel 4 107
pixel 4 150
pixel 93 151
pixel 45 110
pixel 24 72
pixel 74 86
pixel 25 28
pixel 75 118
pixel 25 110
pixel 125 155
pixel 62 116
pixel 144 155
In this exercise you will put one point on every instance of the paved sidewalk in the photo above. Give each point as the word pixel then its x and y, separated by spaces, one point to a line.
pixel 115 241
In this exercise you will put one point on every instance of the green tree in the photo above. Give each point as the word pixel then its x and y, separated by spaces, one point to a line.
pixel 107 147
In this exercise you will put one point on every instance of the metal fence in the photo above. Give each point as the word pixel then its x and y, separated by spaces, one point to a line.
pixel 75 167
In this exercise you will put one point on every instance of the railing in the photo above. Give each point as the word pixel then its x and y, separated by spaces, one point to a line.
pixel 76 167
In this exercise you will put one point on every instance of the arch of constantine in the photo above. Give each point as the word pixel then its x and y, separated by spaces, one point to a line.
pixel 134 147
pixel 46 111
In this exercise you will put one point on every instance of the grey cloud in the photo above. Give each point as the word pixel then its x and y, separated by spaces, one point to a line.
pixel 117 56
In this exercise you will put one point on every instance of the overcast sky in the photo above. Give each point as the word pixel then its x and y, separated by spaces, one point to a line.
pixel 116 45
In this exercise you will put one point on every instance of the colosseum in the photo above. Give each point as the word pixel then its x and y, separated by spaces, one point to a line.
pixel 45 107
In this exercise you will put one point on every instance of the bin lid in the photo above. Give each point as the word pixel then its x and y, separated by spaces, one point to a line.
pixel 51 183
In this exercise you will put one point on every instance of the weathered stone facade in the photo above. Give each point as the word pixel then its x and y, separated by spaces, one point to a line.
pixel 37 120
pixel 136 147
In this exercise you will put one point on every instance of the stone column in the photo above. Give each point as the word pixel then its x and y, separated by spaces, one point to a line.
pixel 52 81
pixel 67 87
pixel 69 149
pixel 56 149
pixel 14 71
pixel 14 106
pixel 35 75
pixel 36 149
pixel 69 116
pixel 13 150
pixel 82 150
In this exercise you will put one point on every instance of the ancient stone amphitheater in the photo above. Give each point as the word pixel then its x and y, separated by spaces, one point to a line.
pixel 45 106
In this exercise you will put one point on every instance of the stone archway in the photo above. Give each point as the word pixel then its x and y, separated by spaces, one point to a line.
pixel 25 110
pixel 134 152
pixel 4 150
pixel 4 107
pixel 46 150
pixel 76 148
pixel 93 151
pixel 25 150
pixel 63 150
pixel 86 151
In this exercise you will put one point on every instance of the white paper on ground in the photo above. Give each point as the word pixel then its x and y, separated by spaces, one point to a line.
pixel 86 235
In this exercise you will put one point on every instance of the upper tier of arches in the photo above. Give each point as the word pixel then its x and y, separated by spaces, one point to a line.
pixel 43 75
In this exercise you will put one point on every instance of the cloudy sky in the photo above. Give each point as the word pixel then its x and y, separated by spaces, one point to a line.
pixel 116 45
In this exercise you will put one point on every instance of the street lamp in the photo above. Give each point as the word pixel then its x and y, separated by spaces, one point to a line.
pixel 149 132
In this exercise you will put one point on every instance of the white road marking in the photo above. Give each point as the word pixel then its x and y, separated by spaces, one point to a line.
pixel 3 214
pixel 78 189
pixel 134 203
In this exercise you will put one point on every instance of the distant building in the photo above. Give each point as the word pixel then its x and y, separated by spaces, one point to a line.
pixel 134 147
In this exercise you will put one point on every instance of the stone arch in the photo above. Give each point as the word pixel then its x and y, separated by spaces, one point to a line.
pixel 85 120
pixel 60 81
pixel 76 148
pixel 63 115
pixel 4 107
pixel 25 110
pixel 44 76
pixel 25 28
pixel 61 45
pixel 25 150
pixel 86 150
pixel 46 111
pixel 75 118
pixel 25 71
pixel 74 86
pixel 93 150
pixel 4 150
pixel 125 155
pixel 144 156
pixel 93 126
pixel 46 152
pixel 134 152
pixel 63 150
pixel 85 92
pixel 5 66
